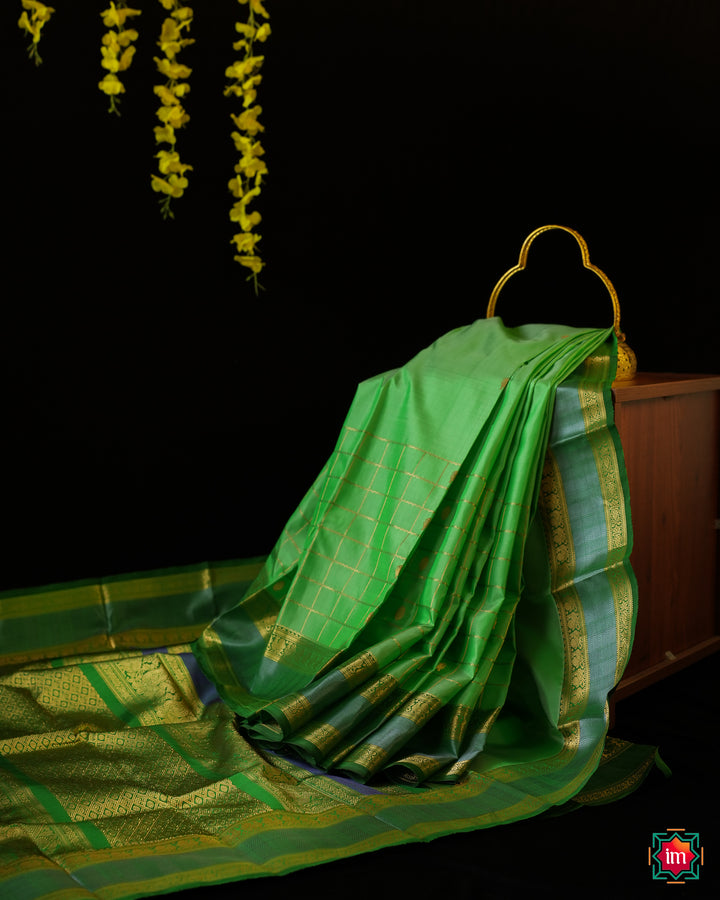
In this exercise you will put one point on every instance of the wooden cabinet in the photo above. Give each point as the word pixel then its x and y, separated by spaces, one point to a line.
pixel 670 429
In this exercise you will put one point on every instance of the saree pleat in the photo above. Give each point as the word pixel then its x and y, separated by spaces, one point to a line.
pixel 429 647
pixel 396 583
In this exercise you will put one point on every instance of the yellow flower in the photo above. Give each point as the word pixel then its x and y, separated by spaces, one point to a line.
pixel 171 69
pixel 245 242
pixel 183 15
pixel 110 59
pixel 32 28
pixel 171 93
pixel 247 90
pixel 164 134
pixel 237 190
pixel 249 196
pixel 257 7
pixel 169 161
pixel 110 40
pixel 246 29
pixel 115 17
pixel 33 24
pixel 175 116
pixel 170 31
pixel 126 36
pixel 247 221
pixel 171 42
pixel 179 183
pixel 251 167
pixel 111 85
pixel 173 186
pixel 39 8
pixel 241 69
pixel 254 263
pixel 247 146
pixel 250 33
pixel 233 90
pixel 40 12
pixel 247 120
pixel 167 95
pixel 126 58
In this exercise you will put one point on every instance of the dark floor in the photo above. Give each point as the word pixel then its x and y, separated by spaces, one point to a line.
pixel 592 852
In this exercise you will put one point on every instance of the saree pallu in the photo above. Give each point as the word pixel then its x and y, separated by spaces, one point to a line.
pixel 428 649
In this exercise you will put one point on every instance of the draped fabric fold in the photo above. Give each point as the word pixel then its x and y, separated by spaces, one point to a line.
pixel 382 634
pixel 429 647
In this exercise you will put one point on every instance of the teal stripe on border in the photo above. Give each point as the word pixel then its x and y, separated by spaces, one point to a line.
pixel 257 856
pixel 45 883
pixel 48 618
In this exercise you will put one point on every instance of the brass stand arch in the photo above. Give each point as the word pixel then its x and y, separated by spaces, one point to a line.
pixel 627 362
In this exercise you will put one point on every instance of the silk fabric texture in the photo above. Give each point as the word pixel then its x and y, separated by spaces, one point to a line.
pixel 429 647
pixel 387 635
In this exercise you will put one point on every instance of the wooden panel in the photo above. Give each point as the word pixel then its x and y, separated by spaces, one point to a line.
pixel 649 384
pixel 671 449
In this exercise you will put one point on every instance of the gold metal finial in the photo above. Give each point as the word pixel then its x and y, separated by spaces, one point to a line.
pixel 627 362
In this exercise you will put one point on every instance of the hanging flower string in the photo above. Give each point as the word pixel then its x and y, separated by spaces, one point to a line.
pixel 249 171
pixel 243 78
pixel 171 181
pixel 33 23
pixel 117 50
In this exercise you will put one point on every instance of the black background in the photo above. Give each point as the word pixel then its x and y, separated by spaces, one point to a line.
pixel 155 411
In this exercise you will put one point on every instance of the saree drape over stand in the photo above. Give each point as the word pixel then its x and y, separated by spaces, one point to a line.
pixel 429 647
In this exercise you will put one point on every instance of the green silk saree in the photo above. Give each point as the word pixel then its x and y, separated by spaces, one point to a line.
pixel 429 647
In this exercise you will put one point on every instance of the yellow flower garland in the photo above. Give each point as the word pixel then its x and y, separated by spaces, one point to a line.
pixel 244 77
pixel 249 171
pixel 33 24
pixel 117 50
pixel 171 182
